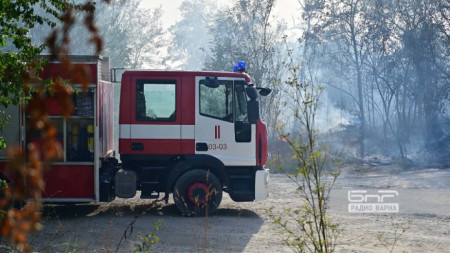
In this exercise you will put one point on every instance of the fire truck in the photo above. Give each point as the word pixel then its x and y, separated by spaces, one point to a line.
pixel 191 134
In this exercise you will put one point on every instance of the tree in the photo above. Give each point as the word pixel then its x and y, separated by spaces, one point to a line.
pixel 392 59
pixel 407 63
pixel 345 29
pixel 25 166
pixel 309 227
pixel 421 28
pixel 190 37
pixel 244 32
pixel 18 52
pixel 133 35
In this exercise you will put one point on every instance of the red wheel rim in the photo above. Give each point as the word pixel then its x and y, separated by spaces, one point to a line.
pixel 197 193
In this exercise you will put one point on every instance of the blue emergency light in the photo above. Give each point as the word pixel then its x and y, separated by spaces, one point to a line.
pixel 240 67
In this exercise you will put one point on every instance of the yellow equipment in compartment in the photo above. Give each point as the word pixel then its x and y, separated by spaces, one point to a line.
pixel 90 133
pixel 75 134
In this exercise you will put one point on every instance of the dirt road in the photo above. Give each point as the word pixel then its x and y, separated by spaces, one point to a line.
pixel 424 198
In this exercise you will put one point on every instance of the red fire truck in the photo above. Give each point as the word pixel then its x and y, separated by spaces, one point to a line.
pixel 192 134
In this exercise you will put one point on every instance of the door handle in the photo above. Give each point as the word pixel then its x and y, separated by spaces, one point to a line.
pixel 137 146
pixel 201 146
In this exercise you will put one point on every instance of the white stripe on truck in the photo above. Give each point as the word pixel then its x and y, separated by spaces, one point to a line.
pixel 135 131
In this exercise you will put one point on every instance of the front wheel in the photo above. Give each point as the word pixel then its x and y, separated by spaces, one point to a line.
pixel 197 193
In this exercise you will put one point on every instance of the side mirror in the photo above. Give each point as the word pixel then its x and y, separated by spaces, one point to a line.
pixel 212 82
pixel 253 111
pixel 264 91
pixel 251 93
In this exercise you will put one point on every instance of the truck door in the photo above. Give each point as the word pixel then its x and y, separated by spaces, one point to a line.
pixel 222 128
pixel 155 127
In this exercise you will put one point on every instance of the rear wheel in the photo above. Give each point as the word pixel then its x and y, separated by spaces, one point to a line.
pixel 197 193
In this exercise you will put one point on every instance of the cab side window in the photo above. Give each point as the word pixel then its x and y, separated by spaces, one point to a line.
pixel 156 100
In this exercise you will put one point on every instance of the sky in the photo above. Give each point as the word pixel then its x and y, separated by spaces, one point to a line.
pixel 287 9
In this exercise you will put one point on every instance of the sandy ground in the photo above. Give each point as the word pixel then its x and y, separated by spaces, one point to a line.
pixel 424 198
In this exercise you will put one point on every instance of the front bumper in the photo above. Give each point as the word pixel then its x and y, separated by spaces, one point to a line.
pixel 261 184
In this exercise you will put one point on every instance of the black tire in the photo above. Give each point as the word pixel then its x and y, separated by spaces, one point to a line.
pixel 197 193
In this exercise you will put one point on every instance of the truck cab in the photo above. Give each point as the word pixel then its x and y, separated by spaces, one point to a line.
pixel 192 134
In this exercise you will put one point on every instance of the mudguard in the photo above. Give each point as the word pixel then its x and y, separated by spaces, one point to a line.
pixel 188 162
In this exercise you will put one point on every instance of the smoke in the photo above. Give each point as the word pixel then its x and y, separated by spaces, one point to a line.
pixel 331 118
